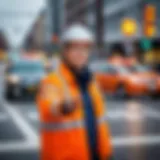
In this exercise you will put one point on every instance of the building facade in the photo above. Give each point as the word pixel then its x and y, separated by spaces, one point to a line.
pixel 76 11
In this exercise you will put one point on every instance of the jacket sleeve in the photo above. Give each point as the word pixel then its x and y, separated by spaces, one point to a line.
pixel 49 97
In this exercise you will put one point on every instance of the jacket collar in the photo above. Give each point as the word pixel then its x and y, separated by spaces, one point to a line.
pixel 70 78
pixel 67 73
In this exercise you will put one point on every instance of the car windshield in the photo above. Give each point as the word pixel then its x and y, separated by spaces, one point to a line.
pixel 27 68
pixel 122 70
pixel 97 67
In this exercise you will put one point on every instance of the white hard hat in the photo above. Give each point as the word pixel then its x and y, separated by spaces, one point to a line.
pixel 78 33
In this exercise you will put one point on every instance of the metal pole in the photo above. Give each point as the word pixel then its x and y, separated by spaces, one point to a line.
pixel 48 24
pixel 99 25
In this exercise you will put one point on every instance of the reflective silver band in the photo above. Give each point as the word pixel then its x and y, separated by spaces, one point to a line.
pixel 68 125
pixel 62 125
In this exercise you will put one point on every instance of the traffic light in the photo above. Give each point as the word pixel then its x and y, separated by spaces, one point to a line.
pixel 149 26
pixel 128 27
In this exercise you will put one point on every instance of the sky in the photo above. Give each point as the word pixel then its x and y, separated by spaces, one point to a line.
pixel 17 18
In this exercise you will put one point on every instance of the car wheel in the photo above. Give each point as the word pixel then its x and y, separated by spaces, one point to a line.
pixel 9 95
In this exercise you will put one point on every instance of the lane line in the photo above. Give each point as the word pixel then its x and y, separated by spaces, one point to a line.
pixel 133 141
pixel 18 146
pixel 21 123
pixel 32 142
pixel 33 115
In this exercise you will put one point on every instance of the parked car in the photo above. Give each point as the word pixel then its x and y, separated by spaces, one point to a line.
pixel 120 80
pixel 23 77
pixel 148 72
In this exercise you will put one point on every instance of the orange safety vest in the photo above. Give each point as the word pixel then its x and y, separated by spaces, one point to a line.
pixel 64 137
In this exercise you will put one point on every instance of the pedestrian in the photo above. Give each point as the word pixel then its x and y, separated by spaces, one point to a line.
pixel 73 124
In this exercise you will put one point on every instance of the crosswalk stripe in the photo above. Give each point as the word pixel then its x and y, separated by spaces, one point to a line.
pixel 21 123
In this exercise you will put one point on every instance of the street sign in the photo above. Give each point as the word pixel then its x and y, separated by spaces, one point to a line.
pixel 17 18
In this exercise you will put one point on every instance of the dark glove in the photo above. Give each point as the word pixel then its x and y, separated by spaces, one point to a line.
pixel 68 107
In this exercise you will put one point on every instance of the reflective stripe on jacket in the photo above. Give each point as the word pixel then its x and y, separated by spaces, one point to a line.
pixel 64 137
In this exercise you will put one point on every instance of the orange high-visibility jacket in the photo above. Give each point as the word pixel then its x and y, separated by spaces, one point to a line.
pixel 64 137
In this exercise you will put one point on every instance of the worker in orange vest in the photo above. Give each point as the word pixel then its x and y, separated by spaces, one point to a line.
pixel 73 124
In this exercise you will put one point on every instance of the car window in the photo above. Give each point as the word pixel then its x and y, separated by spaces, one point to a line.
pixel 111 70
pixel 120 69
pixel 98 67
pixel 27 68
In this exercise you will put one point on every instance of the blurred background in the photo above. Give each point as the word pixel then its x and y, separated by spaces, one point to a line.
pixel 126 60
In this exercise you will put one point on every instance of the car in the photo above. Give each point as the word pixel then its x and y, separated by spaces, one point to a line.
pixel 22 78
pixel 148 72
pixel 125 61
pixel 119 80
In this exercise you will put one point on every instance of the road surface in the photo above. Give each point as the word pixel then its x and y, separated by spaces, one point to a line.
pixel 134 123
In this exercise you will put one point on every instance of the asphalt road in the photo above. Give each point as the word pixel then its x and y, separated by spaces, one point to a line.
pixel 134 125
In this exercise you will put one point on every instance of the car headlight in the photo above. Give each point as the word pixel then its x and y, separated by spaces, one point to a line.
pixel 13 79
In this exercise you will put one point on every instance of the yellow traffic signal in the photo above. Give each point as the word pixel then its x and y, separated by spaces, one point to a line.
pixel 128 27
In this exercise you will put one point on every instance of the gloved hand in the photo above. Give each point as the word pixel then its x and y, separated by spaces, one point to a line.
pixel 68 107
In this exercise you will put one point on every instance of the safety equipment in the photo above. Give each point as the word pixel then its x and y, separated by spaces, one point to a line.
pixel 64 136
pixel 78 33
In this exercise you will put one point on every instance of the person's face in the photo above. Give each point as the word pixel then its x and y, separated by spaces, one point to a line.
pixel 77 54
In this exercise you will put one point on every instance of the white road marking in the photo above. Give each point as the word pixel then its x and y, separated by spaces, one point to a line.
pixel 21 123
pixel 18 146
pixel 32 143
pixel 139 140
pixel 33 116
